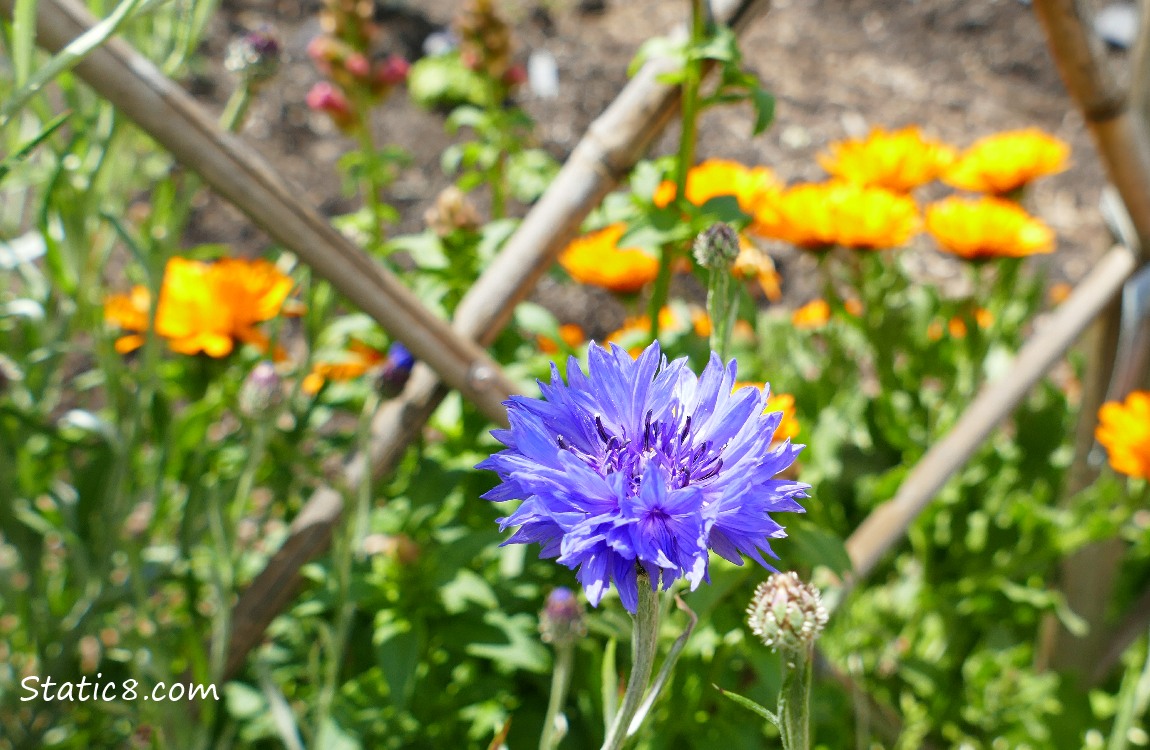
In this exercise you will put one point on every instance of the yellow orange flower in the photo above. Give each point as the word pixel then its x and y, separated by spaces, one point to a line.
pixel 898 161
pixel 753 263
pixel 204 307
pixel 816 215
pixel 716 177
pixel 1124 430
pixel 1059 292
pixel 1007 161
pixel 635 334
pixel 812 315
pixel 788 428
pixel 982 228
pixel 358 359
pixel 129 312
pixel 570 334
pixel 956 326
pixel 853 306
pixel 596 259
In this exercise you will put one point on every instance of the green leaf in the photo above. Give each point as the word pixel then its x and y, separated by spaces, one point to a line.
pixel 658 47
pixel 816 546
pixel 764 104
pixel 398 646
pixel 67 59
pixel 750 705
pixel 23 150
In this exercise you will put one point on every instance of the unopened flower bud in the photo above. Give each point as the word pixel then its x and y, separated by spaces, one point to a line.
pixel 515 75
pixel 358 65
pixel 452 211
pixel 561 621
pixel 260 391
pixel 324 97
pixel 392 71
pixel 717 247
pixel 255 56
pixel 786 613
pixel 395 371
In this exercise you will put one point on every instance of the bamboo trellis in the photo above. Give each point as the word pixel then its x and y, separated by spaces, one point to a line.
pixel 452 356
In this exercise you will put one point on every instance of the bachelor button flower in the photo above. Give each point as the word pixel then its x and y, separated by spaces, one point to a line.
pixel 898 160
pixel 983 228
pixel 598 260
pixel 1124 430
pixel 1004 162
pixel 641 465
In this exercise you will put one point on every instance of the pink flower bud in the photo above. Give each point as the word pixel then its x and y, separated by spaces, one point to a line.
pixel 358 65
pixel 324 97
pixel 515 75
pixel 393 70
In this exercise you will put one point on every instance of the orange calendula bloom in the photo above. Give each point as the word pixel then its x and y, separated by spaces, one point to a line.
pixel 717 177
pixel 570 334
pixel 898 161
pixel 788 428
pixel 1124 430
pixel 635 335
pixel 596 259
pixel 204 307
pixel 981 228
pixel 359 359
pixel 753 263
pixel 1004 162
pixel 818 215
pixel 812 315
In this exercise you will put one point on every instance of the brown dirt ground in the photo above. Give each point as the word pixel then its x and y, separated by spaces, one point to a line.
pixel 961 70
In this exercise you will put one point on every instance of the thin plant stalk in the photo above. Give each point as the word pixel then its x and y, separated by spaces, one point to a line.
pixel 560 681
pixel 795 699
pixel 689 117
pixel 644 641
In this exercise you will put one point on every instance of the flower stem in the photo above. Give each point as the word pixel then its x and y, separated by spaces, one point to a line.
pixel 689 118
pixel 560 679
pixel 644 642
pixel 723 306
pixel 369 185
pixel 795 698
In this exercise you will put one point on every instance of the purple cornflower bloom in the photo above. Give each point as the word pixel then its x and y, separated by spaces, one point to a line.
pixel 640 463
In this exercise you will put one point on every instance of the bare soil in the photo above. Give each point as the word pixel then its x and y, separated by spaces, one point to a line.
pixel 961 70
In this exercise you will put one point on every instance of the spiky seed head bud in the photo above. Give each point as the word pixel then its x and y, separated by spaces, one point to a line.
pixel 255 56
pixel 786 613
pixel 717 247
pixel 561 621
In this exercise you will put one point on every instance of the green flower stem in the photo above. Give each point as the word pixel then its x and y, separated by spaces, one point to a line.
pixel 560 680
pixel 369 186
pixel 236 109
pixel 687 136
pixel 723 306
pixel 644 641
pixel 795 698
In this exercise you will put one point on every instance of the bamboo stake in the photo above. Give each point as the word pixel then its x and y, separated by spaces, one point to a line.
pixel 610 148
pixel 887 523
pixel 236 171
pixel 1123 144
